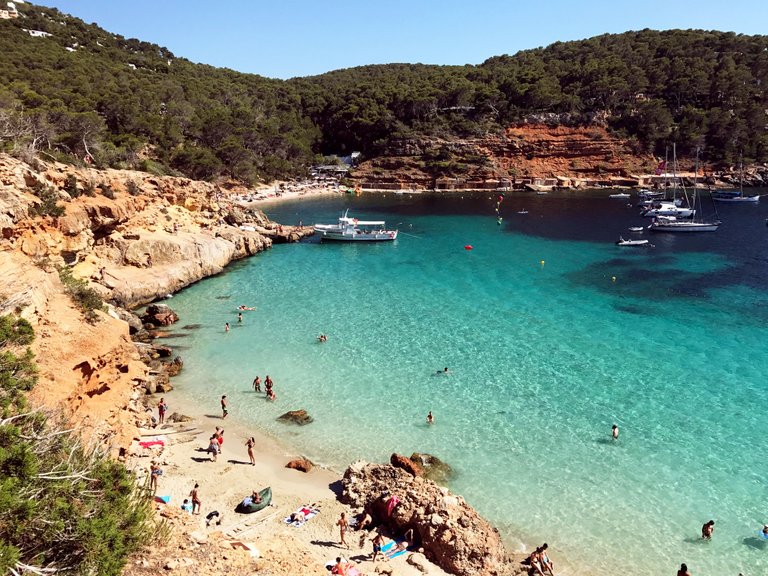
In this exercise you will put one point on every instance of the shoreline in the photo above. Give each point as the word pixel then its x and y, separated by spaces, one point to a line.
pixel 225 482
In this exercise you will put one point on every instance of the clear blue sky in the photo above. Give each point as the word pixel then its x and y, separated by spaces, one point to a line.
pixel 287 38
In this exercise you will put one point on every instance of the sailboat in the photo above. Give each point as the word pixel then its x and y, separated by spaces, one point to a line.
pixel 672 224
pixel 736 195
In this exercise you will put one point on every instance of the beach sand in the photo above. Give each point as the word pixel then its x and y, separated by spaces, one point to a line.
pixel 225 482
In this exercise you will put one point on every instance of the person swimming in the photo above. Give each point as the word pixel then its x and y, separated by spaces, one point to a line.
pixel 443 371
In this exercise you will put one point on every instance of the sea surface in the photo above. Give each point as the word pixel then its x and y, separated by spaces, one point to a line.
pixel 551 333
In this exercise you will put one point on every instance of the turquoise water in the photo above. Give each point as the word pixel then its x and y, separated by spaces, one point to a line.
pixel 544 358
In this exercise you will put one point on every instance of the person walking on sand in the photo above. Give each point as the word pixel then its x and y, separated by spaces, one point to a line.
pixel 707 529
pixel 615 432
pixel 250 443
pixel 213 447
pixel 257 384
pixel 343 525
pixel 161 408
pixel 430 418
pixel 154 472
pixel 224 410
pixel 378 542
pixel 683 571
pixel 195 499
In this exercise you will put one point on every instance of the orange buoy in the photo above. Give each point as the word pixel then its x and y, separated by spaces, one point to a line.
pixel 468 247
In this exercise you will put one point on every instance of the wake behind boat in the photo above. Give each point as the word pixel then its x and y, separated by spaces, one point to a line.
pixel 354 230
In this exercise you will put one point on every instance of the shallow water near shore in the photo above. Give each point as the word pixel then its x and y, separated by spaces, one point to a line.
pixel 546 352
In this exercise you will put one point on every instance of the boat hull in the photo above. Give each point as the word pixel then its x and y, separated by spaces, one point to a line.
pixel 326 236
pixel 684 227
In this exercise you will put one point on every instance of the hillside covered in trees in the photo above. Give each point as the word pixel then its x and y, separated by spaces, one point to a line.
pixel 80 92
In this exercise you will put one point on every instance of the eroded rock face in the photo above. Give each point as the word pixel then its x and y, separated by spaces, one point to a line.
pixel 434 468
pixel 299 417
pixel 451 533
pixel 159 315
pixel 405 463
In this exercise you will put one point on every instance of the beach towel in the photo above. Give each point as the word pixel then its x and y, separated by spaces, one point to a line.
pixel 163 499
pixel 305 512
pixel 389 547
pixel 150 443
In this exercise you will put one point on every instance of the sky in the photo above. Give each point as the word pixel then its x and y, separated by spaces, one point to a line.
pixel 288 38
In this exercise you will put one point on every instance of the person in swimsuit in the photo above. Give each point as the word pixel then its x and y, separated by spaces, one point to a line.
pixel 430 418
pixel 213 447
pixel 239 317
pixel 544 561
pixel 224 410
pixel 683 571
pixel 250 443
pixel 707 529
pixel 195 499
pixel 343 525
pixel 161 409
pixel 615 432
pixel 257 384
pixel 154 472
pixel 378 542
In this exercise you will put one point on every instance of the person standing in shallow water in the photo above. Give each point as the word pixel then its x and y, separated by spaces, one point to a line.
pixel 430 418
pixel 226 327
pixel 257 384
pixel 615 432
pixel 707 529
pixel 224 410
pixel 683 571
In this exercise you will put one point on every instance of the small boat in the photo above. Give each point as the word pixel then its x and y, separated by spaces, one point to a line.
pixel 354 230
pixel 622 242
pixel 523 211
pixel 636 228
pixel 248 506
pixel 619 195
pixel 736 196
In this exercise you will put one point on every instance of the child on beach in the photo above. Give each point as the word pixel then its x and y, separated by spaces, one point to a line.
pixel 213 447
pixel 378 542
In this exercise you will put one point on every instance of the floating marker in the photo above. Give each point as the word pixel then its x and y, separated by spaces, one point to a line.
pixel 468 247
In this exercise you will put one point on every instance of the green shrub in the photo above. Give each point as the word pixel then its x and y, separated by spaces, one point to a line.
pixel 89 188
pixel 106 190
pixel 70 186
pixel 49 200
pixel 86 298
pixel 64 508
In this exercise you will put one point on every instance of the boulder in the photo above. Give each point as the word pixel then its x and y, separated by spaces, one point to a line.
pixel 400 461
pixel 434 468
pixel 174 366
pixel 301 464
pixel 450 532
pixel 159 315
pixel 299 417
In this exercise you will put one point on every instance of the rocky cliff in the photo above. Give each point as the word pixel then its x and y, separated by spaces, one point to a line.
pixel 571 156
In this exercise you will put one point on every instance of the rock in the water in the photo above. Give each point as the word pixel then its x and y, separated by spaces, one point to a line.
pixel 434 468
pixel 400 461
pixel 159 315
pixel 451 533
pixel 174 366
pixel 299 417
pixel 301 464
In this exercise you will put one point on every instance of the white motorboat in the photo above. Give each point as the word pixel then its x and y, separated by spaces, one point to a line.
pixel 622 242
pixel 635 228
pixel 354 230
pixel 619 195
pixel 667 208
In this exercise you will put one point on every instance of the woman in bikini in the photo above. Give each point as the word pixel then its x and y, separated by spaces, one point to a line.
pixel 250 443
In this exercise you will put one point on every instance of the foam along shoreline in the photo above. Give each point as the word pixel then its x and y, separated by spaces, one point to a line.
pixel 225 482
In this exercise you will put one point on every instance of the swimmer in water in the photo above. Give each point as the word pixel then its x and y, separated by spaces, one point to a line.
pixel 430 418
pixel 443 371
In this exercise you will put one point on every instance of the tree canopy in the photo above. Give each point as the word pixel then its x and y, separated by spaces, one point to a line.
pixel 84 93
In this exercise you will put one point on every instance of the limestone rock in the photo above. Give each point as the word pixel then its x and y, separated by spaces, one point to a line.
pixel 159 315
pixel 173 367
pixel 299 417
pixel 399 461
pixel 434 468
pixel 449 531
pixel 301 464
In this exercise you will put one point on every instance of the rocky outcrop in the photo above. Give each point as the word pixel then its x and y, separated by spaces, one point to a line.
pixel 449 531
pixel 159 315
pixel 300 464
pixel 405 463
pixel 434 468
pixel 299 417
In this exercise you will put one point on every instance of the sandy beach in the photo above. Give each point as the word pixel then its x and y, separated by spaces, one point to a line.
pixel 224 483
